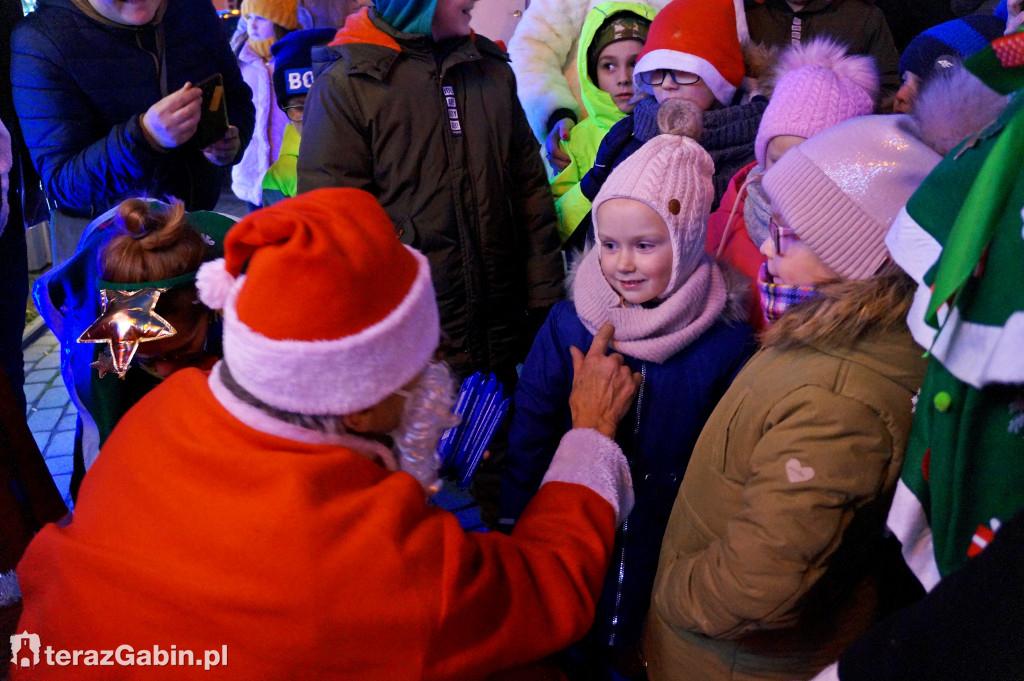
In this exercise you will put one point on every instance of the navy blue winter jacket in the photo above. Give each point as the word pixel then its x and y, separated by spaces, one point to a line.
pixel 657 437
pixel 80 87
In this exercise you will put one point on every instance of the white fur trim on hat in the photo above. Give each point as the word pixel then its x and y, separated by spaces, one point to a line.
pixel 340 376
pixel 682 61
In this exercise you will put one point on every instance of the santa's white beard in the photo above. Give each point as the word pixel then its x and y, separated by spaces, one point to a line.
pixel 427 414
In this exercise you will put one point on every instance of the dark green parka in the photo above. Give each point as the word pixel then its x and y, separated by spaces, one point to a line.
pixel 436 132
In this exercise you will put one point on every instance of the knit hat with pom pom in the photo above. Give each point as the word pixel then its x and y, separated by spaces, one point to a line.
pixel 332 314
pixel 671 174
pixel 818 85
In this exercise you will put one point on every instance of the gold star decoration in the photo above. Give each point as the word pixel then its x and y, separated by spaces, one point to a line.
pixel 128 318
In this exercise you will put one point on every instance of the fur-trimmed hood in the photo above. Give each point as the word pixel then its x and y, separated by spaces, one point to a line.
pixel 846 312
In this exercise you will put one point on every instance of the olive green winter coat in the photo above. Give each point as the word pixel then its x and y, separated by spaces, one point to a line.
pixel 458 173
pixel 774 558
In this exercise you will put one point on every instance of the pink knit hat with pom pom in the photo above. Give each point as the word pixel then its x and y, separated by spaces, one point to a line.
pixel 818 85
pixel 671 174
pixel 332 313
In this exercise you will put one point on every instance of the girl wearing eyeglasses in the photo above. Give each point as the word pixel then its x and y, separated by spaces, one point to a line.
pixel 692 53
pixel 775 557
pixel 817 85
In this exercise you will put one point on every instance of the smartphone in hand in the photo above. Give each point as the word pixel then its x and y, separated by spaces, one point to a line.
pixel 213 120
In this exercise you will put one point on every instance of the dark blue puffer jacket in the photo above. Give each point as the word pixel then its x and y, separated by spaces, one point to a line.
pixel 657 437
pixel 80 87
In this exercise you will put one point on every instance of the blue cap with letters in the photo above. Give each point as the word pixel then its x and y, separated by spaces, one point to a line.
pixel 293 65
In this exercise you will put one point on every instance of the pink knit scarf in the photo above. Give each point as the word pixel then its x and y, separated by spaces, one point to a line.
pixel 651 334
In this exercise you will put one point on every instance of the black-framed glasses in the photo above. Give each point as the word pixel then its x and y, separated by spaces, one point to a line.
pixel 294 112
pixel 657 77
pixel 777 232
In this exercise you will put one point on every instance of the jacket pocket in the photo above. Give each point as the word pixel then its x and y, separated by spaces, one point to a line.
pixel 732 437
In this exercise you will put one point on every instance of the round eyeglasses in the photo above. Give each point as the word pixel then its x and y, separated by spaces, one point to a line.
pixel 657 77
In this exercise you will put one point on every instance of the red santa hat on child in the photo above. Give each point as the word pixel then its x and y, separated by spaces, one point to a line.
pixel 701 37
pixel 332 314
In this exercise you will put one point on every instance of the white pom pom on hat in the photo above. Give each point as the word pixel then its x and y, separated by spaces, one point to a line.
pixel 214 282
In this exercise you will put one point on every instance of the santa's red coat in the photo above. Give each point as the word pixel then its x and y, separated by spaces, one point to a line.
pixel 308 561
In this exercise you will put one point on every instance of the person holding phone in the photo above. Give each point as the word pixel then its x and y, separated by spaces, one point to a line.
pixel 107 98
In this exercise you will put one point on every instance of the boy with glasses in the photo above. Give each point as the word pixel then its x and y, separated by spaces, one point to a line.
pixel 293 76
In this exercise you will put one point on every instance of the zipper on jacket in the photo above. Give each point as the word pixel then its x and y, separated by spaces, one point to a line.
pixel 625 523
pixel 159 57
pixel 476 341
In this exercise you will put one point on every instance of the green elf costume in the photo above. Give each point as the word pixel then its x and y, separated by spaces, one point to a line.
pixel 961 237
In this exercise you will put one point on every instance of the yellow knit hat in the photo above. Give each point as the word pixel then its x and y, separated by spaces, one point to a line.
pixel 281 12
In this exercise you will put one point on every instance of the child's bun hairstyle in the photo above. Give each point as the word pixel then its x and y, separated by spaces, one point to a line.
pixel 151 244
pixel 817 86
pixel 697 36
pixel 672 175
pixel 155 245
pixel 842 188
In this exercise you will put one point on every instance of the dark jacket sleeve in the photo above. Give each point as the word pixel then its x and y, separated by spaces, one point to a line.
pixel 612 147
pixel 76 168
pixel 969 627
pixel 335 148
pixel 534 210
pixel 540 419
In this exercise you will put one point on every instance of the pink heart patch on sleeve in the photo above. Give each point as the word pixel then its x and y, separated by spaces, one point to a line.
pixel 798 473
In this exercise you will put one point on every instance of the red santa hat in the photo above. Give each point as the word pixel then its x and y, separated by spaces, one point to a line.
pixel 332 314
pixel 697 36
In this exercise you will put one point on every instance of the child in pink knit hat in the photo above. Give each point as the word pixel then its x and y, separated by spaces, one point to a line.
pixel 817 86
pixel 648 276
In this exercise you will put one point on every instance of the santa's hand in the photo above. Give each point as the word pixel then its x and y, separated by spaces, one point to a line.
pixel 602 386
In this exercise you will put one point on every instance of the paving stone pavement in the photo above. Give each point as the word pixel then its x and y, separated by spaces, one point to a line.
pixel 51 416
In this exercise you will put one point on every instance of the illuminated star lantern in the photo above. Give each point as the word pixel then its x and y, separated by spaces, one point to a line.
pixel 128 319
